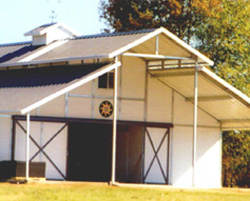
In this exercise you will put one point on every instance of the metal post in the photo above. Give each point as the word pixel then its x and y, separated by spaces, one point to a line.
pixel 195 122
pixel 157 45
pixel 114 127
pixel 27 145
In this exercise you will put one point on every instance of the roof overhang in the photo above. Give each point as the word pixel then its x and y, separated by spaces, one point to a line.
pixel 216 97
pixel 18 103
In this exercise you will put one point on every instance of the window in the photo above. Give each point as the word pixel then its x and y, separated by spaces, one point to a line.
pixel 106 81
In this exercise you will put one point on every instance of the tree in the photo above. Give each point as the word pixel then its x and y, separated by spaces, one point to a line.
pixel 236 159
pixel 178 16
pixel 225 39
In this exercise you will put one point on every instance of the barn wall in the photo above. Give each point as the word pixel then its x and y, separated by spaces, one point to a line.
pixel 5 138
pixel 162 105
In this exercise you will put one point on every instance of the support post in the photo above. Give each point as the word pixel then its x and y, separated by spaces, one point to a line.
pixel 157 45
pixel 114 127
pixel 27 145
pixel 195 123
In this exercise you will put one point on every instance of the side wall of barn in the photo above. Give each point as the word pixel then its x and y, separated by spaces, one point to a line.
pixel 158 103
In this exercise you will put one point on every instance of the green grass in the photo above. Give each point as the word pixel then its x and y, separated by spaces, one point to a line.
pixel 103 192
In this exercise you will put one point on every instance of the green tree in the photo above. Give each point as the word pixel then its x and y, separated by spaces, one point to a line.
pixel 225 39
pixel 179 16
pixel 236 159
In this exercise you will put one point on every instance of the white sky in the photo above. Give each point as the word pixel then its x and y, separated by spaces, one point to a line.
pixel 19 16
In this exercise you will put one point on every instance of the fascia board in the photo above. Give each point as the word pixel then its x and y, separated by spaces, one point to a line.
pixel 135 43
pixel 187 47
pixel 35 62
pixel 229 88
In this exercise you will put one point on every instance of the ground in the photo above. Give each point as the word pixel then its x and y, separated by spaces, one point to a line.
pixel 59 191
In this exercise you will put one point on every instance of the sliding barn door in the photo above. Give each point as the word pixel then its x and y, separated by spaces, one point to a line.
pixel 48 143
pixel 156 161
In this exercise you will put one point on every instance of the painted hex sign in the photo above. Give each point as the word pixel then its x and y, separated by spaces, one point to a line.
pixel 106 109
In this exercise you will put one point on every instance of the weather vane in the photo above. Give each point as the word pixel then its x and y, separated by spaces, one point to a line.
pixel 53 16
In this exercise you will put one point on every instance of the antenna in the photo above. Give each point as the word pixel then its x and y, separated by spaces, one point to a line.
pixel 53 16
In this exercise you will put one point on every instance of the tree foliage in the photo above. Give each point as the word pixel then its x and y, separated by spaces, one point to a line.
pixel 236 159
pixel 178 16
pixel 225 39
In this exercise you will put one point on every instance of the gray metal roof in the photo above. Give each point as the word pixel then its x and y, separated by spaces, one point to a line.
pixel 85 46
pixel 14 52
pixel 93 45
pixel 46 76
pixel 23 88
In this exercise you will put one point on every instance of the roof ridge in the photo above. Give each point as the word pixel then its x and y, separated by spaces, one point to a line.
pixel 101 35
pixel 15 43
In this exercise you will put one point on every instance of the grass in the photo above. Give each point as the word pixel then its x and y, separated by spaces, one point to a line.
pixel 103 192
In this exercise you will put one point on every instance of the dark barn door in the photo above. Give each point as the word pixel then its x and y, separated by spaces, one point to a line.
pixel 89 152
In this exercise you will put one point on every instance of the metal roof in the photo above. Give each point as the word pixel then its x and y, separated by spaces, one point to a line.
pixel 26 89
pixel 216 97
pixel 46 76
pixel 114 34
pixel 109 46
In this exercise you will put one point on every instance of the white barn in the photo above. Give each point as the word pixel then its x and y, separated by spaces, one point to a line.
pixel 134 107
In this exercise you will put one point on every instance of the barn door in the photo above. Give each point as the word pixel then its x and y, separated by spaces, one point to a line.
pixel 156 155
pixel 48 143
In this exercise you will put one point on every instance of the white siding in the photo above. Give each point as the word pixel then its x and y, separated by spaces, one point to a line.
pixel 5 138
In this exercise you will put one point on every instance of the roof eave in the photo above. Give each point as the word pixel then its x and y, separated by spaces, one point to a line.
pixel 36 62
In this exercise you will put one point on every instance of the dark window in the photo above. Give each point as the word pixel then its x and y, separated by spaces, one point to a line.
pixel 106 81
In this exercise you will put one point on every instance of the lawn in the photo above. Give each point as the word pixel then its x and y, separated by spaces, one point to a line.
pixel 103 192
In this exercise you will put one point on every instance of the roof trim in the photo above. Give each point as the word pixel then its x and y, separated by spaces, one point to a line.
pixel 74 85
pixel 27 63
pixel 114 34
pixel 15 44
pixel 188 47
pixel 228 87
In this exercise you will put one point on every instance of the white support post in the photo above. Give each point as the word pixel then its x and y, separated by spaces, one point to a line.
pixel 195 123
pixel 114 126
pixel 27 145
pixel 157 45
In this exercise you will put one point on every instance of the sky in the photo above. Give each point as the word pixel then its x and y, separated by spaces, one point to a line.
pixel 20 16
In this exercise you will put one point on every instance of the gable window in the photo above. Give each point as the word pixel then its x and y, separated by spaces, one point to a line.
pixel 106 81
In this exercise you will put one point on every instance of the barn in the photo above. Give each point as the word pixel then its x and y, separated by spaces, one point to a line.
pixel 130 107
